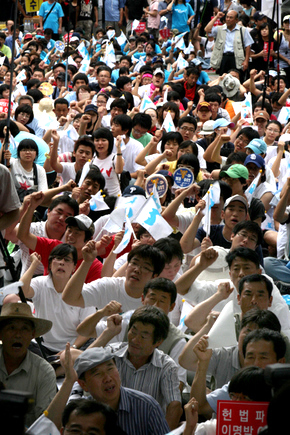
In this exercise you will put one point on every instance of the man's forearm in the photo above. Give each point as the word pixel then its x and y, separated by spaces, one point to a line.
pixel 72 293
pixel 187 279
pixel 196 319
pixel 187 241
pixel 198 389
pixel 23 233
pixel 103 339
pixel 173 414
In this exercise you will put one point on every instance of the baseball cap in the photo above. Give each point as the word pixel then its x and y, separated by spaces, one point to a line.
pixel 286 18
pixel 27 36
pixel 61 76
pixel 91 358
pixel 258 146
pixel 133 190
pixel 236 198
pixel 223 123
pixel 159 71
pixel 166 173
pixel 81 221
pixel 256 159
pixel 236 171
pixel 204 104
pixel 262 114
pixel 196 62
pixel 258 16
pixel 207 128
pixel 91 108
pixel 132 38
pixel 156 59
pixel 74 39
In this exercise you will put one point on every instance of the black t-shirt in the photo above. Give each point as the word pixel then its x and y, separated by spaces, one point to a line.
pixel 215 235
pixel 86 11
pixel 259 63
pixel 135 8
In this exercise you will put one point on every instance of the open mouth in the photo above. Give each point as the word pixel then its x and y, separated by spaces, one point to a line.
pixel 17 345
pixel 110 389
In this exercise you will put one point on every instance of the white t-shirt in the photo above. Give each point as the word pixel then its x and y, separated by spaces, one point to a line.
pixel 68 172
pixel 107 168
pixel 130 151
pixel 208 47
pixel 24 179
pixel 102 291
pixel 65 318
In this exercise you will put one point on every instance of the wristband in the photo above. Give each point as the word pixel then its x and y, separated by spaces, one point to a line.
pixel 119 154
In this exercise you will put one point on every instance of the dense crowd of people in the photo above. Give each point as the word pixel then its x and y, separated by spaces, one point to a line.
pixel 144 190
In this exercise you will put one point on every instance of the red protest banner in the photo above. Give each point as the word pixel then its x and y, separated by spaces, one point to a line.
pixel 241 417
pixel 4 106
pixel 164 33
pixel 140 28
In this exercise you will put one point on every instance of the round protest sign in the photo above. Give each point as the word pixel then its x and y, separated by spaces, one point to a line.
pixel 160 183
pixel 46 88
pixel 59 45
pixel 183 178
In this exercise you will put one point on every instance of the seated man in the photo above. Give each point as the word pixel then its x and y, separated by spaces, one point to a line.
pixel 138 413
pixel 141 365
pixel 79 230
pixel 21 369
pixel 158 292
pixel 242 262
pixel 226 361
pixel 261 347
pixel 235 210
pixel 144 263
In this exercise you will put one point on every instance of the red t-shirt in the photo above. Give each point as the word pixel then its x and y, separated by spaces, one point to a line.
pixel 44 247
pixel 190 93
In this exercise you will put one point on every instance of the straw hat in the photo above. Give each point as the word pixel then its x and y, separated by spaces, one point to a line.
pixel 23 311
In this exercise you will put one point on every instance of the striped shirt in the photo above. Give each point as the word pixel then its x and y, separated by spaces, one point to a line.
pixel 140 414
pixel 158 377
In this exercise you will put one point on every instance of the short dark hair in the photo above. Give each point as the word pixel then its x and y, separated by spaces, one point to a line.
pixel 170 248
pixel 265 334
pixel 36 94
pixel 61 101
pixel 27 144
pixel 261 318
pixel 143 120
pixel 95 174
pixel 256 277
pixel 236 157
pixel 26 109
pixel 250 226
pixel 65 199
pixel 13 128
pixel 189 143
pixel 120 103
pixel 189 120
pixel 212 96
pixel 149 252
pixel 245 253
pixel 104 68
pixel 85 141
pixel 192 70
pixel 250 133
pixel 63 250
pixel 104 133
pixel 124 121
pixel 150 315
pixel 226 190
pixel 122 81
pixel 90 406
pixel 172 135
pixel 80 76
pixel 2 35
pixel 251 382
pixel 32 82
pixel 162 284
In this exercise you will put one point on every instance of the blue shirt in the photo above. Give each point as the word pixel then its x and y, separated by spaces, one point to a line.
pixel 203 78
pixel 52 21
pixel 112 10
pixel 180 15
pixel 230 36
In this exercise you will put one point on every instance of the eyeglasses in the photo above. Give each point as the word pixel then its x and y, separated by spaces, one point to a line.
pixel 65 259
pixel 273 131
pixel 245 235
pixel 245 141
pixel 24 115
pixel 191 130
pixel 138 132
pixel 144 269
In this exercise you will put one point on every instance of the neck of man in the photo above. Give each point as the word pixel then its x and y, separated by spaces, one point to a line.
pixel 12 364
pixel 227 232
pixel 139 361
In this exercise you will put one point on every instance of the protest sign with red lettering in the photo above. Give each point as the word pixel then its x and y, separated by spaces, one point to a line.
pixel 4 106
pixel 241 417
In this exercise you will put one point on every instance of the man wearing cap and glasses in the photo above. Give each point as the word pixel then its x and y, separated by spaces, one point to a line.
pixel 20 369
pixel 79 230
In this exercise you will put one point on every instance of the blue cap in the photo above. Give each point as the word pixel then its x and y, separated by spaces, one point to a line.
pixel 258 146
pixel 222 122
pixel 256 159
pixel 133 190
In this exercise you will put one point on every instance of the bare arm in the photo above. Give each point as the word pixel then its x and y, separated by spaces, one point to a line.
pixel 108 267
pixel 173 414
pixel 209 26
pixel 276 165
pixel 119 159
pixel 28 275
pixel 56 166
pixel 23 234
pixel 169 214
pixel 140 159
pixel 114 327
pixel 151 166
pixel 284 97
pixel 88 326
pixel 207 257
pixel 188 241
pixel 280 213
